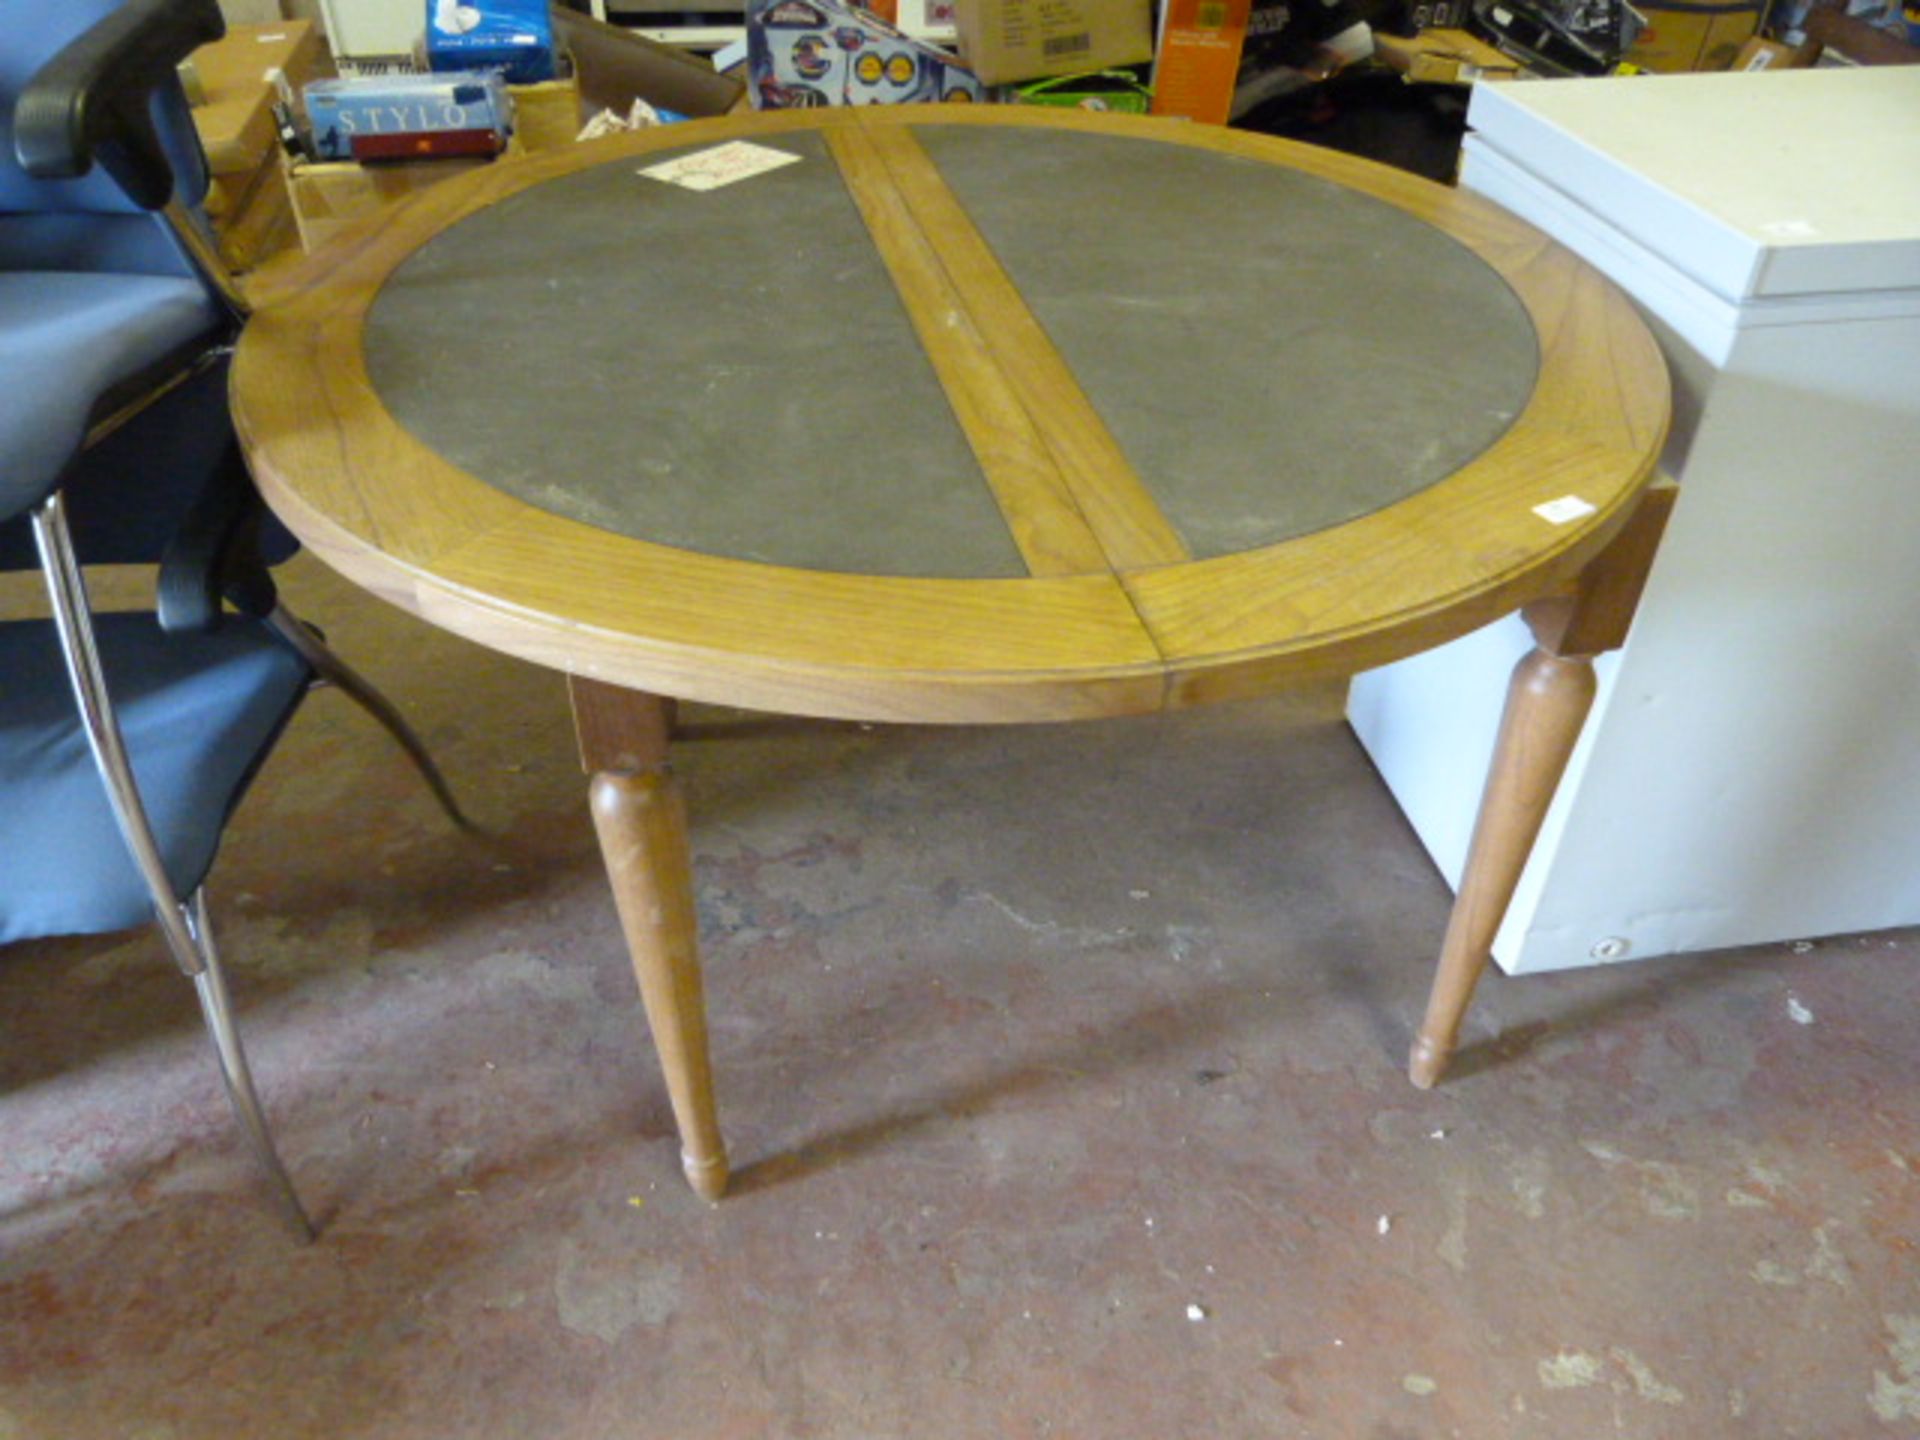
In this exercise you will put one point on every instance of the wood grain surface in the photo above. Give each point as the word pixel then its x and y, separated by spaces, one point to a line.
pixel 1114 617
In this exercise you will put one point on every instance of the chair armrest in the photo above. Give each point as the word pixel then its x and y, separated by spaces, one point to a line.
pixel 94 99
pixel 215 554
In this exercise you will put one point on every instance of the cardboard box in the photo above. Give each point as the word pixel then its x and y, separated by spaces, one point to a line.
pixel 1199 58
pixel 246 198
pixel 1758 54
pixel 1012 40
pixel 235 124
pixel 1682 36
pixel 806 53
pixel 339 112
pixel 1444 57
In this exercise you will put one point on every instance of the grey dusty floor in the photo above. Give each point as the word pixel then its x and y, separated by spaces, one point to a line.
pixel 1062 1072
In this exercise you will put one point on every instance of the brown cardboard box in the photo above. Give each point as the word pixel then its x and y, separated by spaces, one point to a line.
pixel 246 194
pixel 1008 40
pixel 236 125
pixel 1758 54
pixel 1682 36
pixel 1444 57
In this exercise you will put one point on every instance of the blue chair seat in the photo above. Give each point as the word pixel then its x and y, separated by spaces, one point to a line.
pixel 198 713
pixel 66 340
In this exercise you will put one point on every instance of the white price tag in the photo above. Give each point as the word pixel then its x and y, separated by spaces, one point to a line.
pixel 1563 510
pixel 722 165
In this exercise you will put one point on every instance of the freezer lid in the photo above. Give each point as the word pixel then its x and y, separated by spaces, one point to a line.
pixel 1769 183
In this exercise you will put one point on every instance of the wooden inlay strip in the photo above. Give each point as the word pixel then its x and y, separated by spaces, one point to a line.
pixel 1132 529
pixel 1068 492
pixel 1052 536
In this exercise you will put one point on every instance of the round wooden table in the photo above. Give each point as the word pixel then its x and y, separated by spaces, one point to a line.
pixel 944 414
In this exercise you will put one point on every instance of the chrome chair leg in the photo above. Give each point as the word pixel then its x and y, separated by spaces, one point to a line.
pixel 210 986
pixel 73 623
pixel 331 668
pixel 185 931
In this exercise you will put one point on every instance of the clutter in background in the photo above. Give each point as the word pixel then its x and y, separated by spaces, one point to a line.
pixel 1197 66
pixel 1121 92
pixel 1010 41
pixel 807 53
pixel 1444 57
pixel 1582 37
pixel 359 144
pixel 640 116
pixel 514 37
pixel 1211 61
pixel 614 67
pixel 406 117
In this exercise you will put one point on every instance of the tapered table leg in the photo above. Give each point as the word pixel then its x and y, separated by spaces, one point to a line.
pixel 641 821
pixel 1547 703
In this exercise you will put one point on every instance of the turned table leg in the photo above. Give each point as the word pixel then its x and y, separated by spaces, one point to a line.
pixel 1547 703
pixel 641 821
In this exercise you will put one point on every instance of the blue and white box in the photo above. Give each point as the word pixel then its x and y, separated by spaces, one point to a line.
pixel 515 36
pixel 339 110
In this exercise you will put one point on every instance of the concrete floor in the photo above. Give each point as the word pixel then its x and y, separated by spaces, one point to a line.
pixel 1062 1074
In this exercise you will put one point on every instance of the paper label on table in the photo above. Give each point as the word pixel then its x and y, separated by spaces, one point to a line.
pixel 722 165
pixel 1567 507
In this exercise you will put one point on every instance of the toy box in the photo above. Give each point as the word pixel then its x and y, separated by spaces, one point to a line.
pixel 376 109
pixel 803 53
pixel 511 35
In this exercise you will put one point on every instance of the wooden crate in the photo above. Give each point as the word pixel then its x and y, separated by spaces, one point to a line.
pixel 546 116
pixel 329 196
pixel 261 227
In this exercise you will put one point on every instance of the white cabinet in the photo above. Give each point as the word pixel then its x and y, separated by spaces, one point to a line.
pixel 1751 767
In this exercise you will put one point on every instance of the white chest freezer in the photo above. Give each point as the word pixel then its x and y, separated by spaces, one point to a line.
pixel 1751 768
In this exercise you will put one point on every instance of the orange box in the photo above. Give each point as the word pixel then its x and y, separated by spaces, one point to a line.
pixel 1199 58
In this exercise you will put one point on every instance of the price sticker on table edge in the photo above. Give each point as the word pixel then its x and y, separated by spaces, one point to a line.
pixel 1567 508
pixel 720 165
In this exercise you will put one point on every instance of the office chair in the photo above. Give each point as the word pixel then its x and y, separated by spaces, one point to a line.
pixel 126 740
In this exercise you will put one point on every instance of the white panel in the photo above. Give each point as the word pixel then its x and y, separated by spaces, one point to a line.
pixel 1758 774
pixel 1752 771
pixel 1768 183
pixel 374 27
